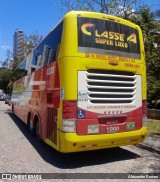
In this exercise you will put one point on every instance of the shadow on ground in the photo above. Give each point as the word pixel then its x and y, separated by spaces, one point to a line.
pixel 72 160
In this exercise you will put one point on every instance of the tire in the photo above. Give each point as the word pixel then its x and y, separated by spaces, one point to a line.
pixel 30 123
pixel 13 109
pixel 37 128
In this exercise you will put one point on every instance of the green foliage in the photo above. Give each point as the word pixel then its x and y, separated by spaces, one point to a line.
pixel 127 9
pixel 153 127
pixel 145 18
pixel 114 7
pixel 5 78
pixel 153 89
pixel 30 41
pixel 150 28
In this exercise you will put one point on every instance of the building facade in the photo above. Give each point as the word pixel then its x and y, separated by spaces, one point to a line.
pixel 18 45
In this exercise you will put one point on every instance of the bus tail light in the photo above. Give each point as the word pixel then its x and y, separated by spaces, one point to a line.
pixel 69 125
pixel 144 110
pixel 69 116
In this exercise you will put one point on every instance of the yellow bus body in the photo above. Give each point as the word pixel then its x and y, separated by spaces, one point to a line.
pixel 70 61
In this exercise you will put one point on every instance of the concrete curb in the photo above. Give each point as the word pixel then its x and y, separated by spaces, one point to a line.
pixel 142 146
pixel 151 143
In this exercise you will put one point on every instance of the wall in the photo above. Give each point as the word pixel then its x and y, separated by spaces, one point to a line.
pixel 153 114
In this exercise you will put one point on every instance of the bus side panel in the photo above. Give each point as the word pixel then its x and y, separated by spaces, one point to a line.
pixel 47 100
pixel 38 96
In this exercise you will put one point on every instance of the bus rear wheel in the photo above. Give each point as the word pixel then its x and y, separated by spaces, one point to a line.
pixel 13 108
pixel 30 123
pixel 37 128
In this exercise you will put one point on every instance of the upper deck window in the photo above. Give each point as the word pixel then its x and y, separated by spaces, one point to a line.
pixel 47 51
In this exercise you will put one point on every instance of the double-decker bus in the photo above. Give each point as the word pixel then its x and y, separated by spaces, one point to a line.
pixel 84 86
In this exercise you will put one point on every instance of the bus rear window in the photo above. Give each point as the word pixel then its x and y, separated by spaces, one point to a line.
pixel 106 37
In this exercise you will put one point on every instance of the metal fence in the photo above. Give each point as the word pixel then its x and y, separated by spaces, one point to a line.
pixel 153 114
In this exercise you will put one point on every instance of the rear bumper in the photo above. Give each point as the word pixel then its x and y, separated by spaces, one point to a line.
pixel 71 142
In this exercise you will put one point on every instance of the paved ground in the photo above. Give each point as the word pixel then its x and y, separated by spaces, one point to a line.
pixel 151 143
pixel 22 153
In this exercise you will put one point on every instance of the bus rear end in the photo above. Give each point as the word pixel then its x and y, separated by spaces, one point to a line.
pixel 103 83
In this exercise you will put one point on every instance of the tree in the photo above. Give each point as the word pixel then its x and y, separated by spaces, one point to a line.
pixel 30 41
pixel 9 54
pixel 122 7
pixel 150 28
pixel 150 25
pixel 5 78
pixel 67 5
pixel 17 61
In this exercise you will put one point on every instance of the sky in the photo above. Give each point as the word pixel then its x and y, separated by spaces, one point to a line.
pixel 26 15
pixel 32 15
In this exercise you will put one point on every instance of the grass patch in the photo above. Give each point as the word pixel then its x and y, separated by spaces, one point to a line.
pixel 153 127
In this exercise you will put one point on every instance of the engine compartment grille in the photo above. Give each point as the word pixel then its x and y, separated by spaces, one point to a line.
pixel 110 87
